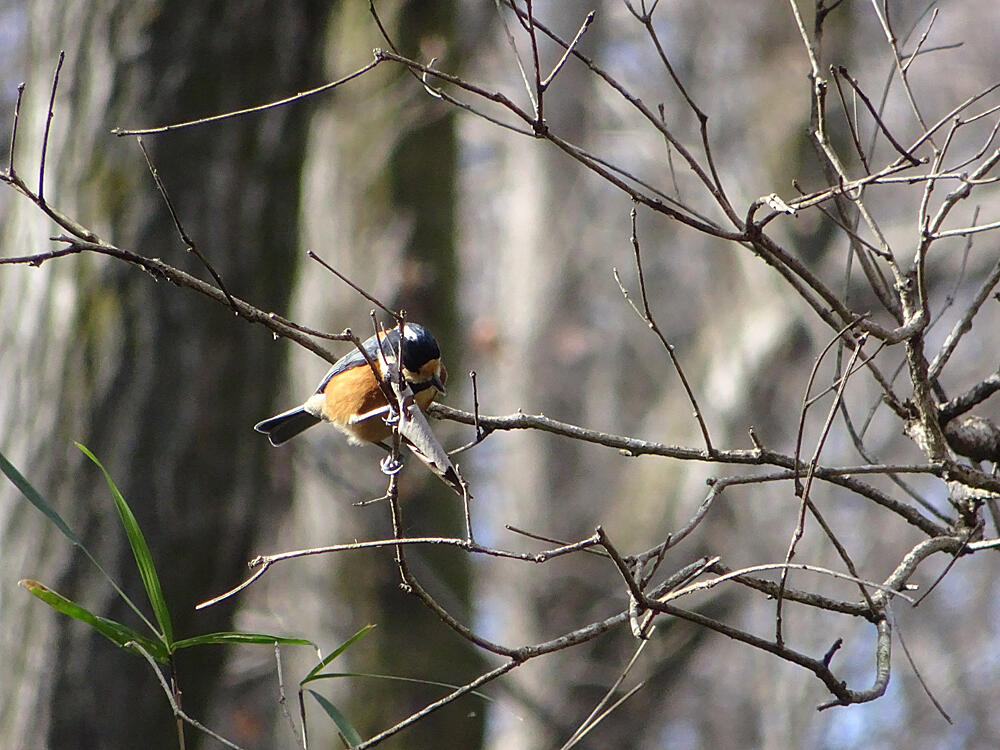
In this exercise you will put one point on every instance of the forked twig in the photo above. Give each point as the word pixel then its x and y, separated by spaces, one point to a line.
pixel 647 316
pixel 174 706
pixel 185 238
pixel 602 710
pixel 807 503
pixel 842 70
pixel 517 56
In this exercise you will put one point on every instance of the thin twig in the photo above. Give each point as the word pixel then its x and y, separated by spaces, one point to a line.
pixel 878 119
pixel 539 123
pixel 249 110
pixel 481 434
pixel 68 224
pixel 916 671
pixel 647 316
pixel 374 300
pixel 852 124
pixel 859 445
pixel 185 238
pixel 599 712
pixel 544 84
pixel 517 56
pixel 964 324
pixel 282 700
pixel 48 125
pixel 262 563
pixel 807 401
pixel 13 128
pixel 477 683
pixel 178 713
pixel 883 17
pixel 920 42
pixel 807 503
pixel 954 558
pixel 549 540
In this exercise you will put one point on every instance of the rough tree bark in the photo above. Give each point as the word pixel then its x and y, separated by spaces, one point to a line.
pixel 159 384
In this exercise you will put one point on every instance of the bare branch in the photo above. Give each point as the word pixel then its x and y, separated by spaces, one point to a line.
pixel 48 125
pixel 972 397
pixel 647 316
pixel 13 128
pixel 185 238
pixel 878 119
pixel 432 707
pixel 249 110
pixel 544 84
pixel 263 562
pixel 178 713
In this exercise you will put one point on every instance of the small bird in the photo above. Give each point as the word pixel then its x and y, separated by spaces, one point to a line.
pixel 349 397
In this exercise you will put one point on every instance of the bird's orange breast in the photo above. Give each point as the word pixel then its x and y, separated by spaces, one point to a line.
pixel 356 392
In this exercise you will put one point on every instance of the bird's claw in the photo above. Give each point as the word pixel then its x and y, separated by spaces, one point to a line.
pixel 390 465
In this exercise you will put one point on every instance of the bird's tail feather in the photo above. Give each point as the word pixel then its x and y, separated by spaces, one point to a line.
pixel 283 427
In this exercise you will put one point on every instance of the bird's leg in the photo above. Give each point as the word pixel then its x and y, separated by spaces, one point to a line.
pixel 390 464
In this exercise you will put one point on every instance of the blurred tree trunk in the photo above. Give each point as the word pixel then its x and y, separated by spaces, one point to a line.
pixel 565 343
pixel 380 207
pixel 161 385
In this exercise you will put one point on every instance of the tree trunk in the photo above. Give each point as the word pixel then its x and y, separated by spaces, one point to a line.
pixel 163 386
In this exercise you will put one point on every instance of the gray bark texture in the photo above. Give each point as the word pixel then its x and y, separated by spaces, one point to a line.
pixel 157 382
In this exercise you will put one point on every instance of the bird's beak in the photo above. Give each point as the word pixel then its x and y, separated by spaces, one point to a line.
pixel 436 382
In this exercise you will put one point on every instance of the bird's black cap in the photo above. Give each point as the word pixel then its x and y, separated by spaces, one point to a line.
pixel 419 347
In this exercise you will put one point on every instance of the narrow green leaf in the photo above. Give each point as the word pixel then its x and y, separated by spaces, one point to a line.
pixel 397 678
pixel 337 652
pixel 36 499
pixel 115 632
pixel 140 550
pixel 347 730
pixel 235 637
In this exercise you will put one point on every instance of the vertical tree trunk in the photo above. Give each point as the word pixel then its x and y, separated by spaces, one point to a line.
pixel 380 207
pixel 161 385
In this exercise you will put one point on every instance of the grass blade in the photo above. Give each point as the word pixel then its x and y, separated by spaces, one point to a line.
pixel 396 678
pixel 235 637
pixel 140 550
pixel 36 499
pixel 314 672
pixel 115 632
pixel 347 730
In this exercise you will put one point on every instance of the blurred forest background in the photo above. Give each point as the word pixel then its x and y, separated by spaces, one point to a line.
pixel 504 247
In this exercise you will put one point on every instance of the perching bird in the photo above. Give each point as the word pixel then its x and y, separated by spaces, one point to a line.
pixel 349 397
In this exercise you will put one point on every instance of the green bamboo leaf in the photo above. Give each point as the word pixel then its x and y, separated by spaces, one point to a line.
pixel 337 652
pixel 115 632
pixel 140 550
pixel 397 678
pixel 236 637
pixel 36 499
pixel 347 730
